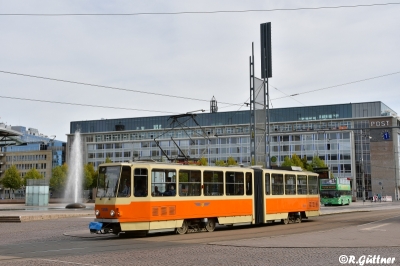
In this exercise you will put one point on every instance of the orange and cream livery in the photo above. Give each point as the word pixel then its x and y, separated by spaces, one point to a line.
pixel 143 196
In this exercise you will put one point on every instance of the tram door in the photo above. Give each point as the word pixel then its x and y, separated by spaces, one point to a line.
pixel 258 197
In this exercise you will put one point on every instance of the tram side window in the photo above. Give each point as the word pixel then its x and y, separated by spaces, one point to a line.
pixel 213 183
pixel 234 183
pixel 140 182
pixel 290 184
pixel 189 183
pixel 125 182
pixel 312 185
pixel 301 184
pixel 249 184
pixel 267 184
pixel 277 184
pixel 163 182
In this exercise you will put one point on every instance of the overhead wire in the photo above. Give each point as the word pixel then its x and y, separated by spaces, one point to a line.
pixel 286 95
pixel 81 104
pixel 165 95
pixel 108 87
pixel 339 85
pixel 196 12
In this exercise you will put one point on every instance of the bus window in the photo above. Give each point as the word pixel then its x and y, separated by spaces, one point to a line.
pixel 290 184
pixel 277 184
pixel 163 182
pixel 312 185
pixel 140 181
pixel 267 184
pixel 189 183
pixel 213 183
pixel 249 184
pixel 234 183
pixel 301 184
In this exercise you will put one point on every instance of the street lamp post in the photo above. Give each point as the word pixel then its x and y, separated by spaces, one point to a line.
pixel 362 167
pixel 396 190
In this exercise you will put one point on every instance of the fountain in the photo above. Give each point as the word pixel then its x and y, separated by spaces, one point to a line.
pixel 75 174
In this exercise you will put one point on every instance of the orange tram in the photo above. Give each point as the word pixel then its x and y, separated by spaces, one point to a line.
pixel 143 196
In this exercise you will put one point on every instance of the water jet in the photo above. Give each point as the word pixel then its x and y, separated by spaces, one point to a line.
pixel 75 174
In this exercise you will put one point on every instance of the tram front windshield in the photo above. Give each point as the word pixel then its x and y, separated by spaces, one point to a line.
pixel 107 183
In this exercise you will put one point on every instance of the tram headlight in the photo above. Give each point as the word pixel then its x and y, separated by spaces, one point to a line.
pixel 97 212
pixel 112 213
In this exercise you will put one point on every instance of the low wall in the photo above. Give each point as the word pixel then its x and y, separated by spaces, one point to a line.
pixel 22 201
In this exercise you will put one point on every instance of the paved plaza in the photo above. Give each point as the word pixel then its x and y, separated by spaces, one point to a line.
pixel 55 236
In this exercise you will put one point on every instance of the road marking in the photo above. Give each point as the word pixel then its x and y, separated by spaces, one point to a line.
pixel 69 262
pixel 8 257
pixel 379 220
pixel 374 227
pixel 55 250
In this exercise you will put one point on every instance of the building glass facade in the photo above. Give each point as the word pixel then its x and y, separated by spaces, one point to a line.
pixel 338 134
pixel 29 150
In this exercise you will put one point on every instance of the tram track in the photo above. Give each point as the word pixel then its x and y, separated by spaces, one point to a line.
pixel 322 223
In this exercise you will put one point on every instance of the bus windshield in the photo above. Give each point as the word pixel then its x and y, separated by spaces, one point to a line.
pixel 107 182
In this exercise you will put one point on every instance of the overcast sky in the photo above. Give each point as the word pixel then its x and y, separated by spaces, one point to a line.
pixel 189 55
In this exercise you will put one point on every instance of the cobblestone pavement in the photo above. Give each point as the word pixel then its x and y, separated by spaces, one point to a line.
pixel 142 251
pixel 215 255
pixel 326 246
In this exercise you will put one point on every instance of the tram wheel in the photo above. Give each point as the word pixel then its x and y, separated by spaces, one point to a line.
pixel 183 230
pixel 298 220
pixel 210 225
pixel 285 221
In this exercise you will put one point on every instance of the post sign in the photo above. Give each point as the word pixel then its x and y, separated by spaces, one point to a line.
pixel 379 123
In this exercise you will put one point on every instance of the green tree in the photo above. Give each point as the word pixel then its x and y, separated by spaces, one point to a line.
pixel 306 165
pixel 317 162
pixel 220 163
pixel 108 160
pixel 12 179
pixel 32 174
pixel 58 179
pixel 95 175
pixel 231 161
pixel 203 161
pixel 294 161
pixel 297 161
pixel 89 176
pixel 287 162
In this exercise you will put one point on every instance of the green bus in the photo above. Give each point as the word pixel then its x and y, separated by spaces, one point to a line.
pixel 335 191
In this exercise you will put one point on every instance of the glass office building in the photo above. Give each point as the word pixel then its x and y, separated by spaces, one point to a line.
pixel 348 137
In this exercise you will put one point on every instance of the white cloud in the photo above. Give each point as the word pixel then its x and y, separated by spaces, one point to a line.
pixel 191 55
